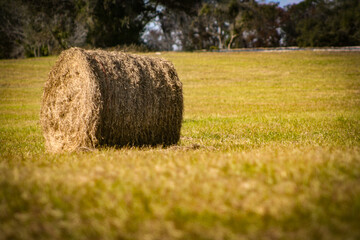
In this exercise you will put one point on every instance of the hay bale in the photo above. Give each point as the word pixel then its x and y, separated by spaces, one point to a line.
pixel 96 98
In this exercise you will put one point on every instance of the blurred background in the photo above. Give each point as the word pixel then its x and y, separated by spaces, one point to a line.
pixel 32 28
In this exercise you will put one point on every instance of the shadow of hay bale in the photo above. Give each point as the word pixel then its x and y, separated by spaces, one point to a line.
pixel 96 98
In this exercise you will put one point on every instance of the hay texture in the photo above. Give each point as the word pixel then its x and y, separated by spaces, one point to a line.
pixel 96 98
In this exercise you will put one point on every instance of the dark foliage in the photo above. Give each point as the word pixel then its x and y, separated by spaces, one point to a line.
pixel 119 21
pixel 44 27
pixel 318 23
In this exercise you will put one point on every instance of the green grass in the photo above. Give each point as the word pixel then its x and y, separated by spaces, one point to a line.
pixel 270 149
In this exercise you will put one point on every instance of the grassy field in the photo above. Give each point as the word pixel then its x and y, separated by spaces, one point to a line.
pixel 270 149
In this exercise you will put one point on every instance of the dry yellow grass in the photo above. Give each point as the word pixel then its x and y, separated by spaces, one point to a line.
pixel 270 149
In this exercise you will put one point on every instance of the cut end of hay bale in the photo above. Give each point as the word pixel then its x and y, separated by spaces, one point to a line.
pixel 98 98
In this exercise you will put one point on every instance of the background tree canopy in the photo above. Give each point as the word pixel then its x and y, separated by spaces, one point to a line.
pixel 44 27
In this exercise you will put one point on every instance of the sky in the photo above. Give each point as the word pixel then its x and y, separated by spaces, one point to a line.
pixel 284 2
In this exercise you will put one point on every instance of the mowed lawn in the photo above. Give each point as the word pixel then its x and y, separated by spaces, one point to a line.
pixel 270 149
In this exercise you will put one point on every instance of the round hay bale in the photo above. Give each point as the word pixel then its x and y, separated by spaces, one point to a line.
pixel 97 98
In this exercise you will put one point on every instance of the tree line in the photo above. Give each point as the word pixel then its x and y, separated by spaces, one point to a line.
pixel 34 28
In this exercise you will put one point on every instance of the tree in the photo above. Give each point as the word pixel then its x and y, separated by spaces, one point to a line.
pixel 113 22
pixel 173 25
pixel 236 12
pixel 11 13
pixel 318 23
pixel 37 28
pixel 214 18
pixel 262 25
